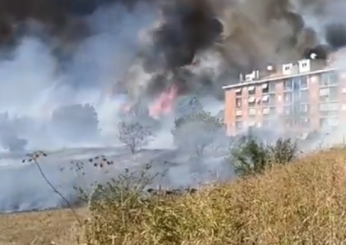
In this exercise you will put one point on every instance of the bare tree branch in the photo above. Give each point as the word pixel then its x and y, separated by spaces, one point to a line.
pixel 33 157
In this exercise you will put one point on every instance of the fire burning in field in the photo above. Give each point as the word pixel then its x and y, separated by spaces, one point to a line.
pixel 164 104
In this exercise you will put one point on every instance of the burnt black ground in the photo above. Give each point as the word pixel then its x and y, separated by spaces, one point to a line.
pixel 23 188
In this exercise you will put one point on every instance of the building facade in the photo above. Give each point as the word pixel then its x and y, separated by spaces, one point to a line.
pixel 304 96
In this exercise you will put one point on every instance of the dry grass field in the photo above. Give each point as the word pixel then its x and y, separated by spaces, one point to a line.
pixel 300 203
pixel 41 228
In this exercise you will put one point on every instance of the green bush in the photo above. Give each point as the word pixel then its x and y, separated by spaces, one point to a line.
pixel 283 151
pixel 252 156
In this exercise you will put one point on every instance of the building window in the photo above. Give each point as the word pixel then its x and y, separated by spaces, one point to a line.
pixel 324 92
pixel 238 114
pixel 296 110
pixel 251 90
pixel 238 103
pixel 329 94
pixel 272 87
pixel 304 82
pixel 268 87
pixel 329 79
pixel 296 83
pixel 288 110
pixel 288 84
pixel 329 109
pixel 252 112
pixel 265 88
pixel 252 101
pixel 304 96
pixel 272 99
pixel 265 111
pixel 268 111
pixel 304 109
pixel 329 122
pixel 268 100
pixel 334 93
pixel 238 92
pixel 288 98
pixel 304 122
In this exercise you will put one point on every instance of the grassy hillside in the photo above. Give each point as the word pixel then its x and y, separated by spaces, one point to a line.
pixel 301 203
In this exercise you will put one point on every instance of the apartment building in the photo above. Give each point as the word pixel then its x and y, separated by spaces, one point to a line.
pixel 302 96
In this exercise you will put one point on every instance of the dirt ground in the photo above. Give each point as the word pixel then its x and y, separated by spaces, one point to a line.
pixel 39 228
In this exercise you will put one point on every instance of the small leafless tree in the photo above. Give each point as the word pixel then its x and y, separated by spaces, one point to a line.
pixel 134 135
pixel 136 128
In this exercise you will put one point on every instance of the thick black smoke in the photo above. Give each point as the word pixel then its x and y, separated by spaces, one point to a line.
pixel 63 20
pixel 246 34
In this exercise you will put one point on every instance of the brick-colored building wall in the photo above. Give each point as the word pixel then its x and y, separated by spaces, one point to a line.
pixel 230 111
pixel 280 106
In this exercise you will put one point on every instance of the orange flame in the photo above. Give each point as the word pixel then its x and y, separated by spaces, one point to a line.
pixel 163 105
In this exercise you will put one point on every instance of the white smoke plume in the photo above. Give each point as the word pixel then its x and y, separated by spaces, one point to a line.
pixel 34 84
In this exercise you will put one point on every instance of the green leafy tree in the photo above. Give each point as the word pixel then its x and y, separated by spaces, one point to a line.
pixel 196 131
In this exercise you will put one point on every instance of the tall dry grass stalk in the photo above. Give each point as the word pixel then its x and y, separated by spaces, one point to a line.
pixel 300 203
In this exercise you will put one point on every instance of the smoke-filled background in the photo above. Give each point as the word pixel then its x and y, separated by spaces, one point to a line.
pixel 68 68
pixel 113 53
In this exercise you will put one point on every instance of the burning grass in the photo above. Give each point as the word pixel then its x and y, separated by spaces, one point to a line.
pixel 300 203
